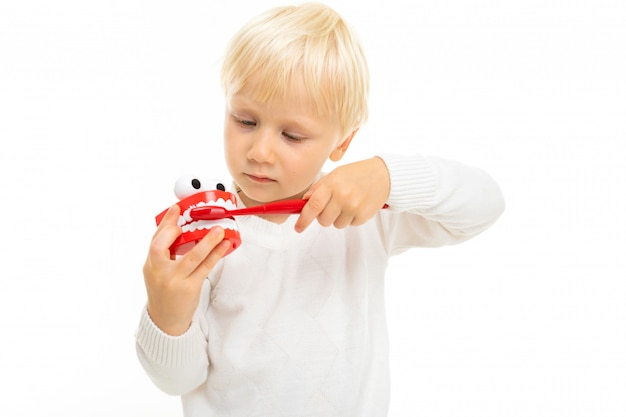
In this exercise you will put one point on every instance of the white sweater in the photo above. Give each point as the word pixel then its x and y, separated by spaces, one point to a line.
pixel 294 324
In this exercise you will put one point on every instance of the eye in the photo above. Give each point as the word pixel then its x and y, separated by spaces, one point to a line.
pixel 292 138
pixel 243 121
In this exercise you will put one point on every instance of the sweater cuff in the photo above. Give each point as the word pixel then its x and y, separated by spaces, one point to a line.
pixel 413 182
pixel 166 350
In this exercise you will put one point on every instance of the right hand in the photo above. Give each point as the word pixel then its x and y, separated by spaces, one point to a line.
pixel 174 284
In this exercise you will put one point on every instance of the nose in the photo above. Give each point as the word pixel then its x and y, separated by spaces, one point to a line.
pixel 261 149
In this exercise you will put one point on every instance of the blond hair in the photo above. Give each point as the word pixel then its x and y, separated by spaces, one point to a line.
pixel 311 43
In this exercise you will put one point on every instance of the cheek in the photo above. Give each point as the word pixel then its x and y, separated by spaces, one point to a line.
pixel 232 146
pixel 307 165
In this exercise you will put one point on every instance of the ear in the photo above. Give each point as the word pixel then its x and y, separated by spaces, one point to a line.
pixel 341 149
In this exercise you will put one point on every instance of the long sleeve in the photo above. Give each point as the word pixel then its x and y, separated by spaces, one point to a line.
pixel 176 364
pixel 441 202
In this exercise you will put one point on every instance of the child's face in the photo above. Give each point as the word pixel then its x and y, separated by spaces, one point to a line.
pixel 275 150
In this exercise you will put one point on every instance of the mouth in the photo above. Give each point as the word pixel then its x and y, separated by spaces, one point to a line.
pixel 188 224
pixel 194 230
pixel 259 178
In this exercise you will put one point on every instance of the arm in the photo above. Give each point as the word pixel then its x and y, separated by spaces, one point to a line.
pixel 175 364
pixel 170 345
pixel 438 202
pixel 432 201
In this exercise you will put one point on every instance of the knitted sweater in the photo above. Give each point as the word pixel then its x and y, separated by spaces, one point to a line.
pixel 294 324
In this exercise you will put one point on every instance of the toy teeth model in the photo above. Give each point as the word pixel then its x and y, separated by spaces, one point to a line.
pixel 194 193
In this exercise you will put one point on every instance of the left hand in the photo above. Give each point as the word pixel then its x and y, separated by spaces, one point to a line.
pixel 348 196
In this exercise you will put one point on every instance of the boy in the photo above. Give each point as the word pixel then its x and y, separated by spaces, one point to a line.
pixel 292 323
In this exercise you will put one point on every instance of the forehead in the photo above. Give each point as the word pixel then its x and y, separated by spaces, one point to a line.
pixel 292 96
pixel 266 87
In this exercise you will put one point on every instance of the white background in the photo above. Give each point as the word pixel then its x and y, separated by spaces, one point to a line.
pixel 104 104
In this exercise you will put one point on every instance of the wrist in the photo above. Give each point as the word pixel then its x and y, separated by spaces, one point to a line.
pixel 167 323
pixel 382 179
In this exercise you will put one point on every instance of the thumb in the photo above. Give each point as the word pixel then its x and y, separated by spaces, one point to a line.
pixel 311 190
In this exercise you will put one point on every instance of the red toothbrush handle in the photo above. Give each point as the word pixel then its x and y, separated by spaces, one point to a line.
pixel 282 207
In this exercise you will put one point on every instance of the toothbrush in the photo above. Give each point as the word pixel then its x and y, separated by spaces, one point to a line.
pixel 277 207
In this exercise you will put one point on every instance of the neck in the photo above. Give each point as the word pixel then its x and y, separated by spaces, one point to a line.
pixel 273 218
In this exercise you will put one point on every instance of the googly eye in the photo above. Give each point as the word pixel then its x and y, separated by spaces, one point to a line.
pixel 187 185
pixel 213 184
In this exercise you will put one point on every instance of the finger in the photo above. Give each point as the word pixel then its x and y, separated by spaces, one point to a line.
pixel 166 232
pixel 169 220
pixel 314 206
pixel 343 220
pixel 207 265
pixel 192 260
pixel 171 217
pixel 331 213
pixel 311 190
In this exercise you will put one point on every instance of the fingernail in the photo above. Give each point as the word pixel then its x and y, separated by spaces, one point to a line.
pixel 217 230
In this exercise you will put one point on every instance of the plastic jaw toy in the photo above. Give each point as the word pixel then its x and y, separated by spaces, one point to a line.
pixel 192 193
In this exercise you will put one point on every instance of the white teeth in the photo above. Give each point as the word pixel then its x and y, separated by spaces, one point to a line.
pixel 187 215
pixel 207 224
pixel 228 204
